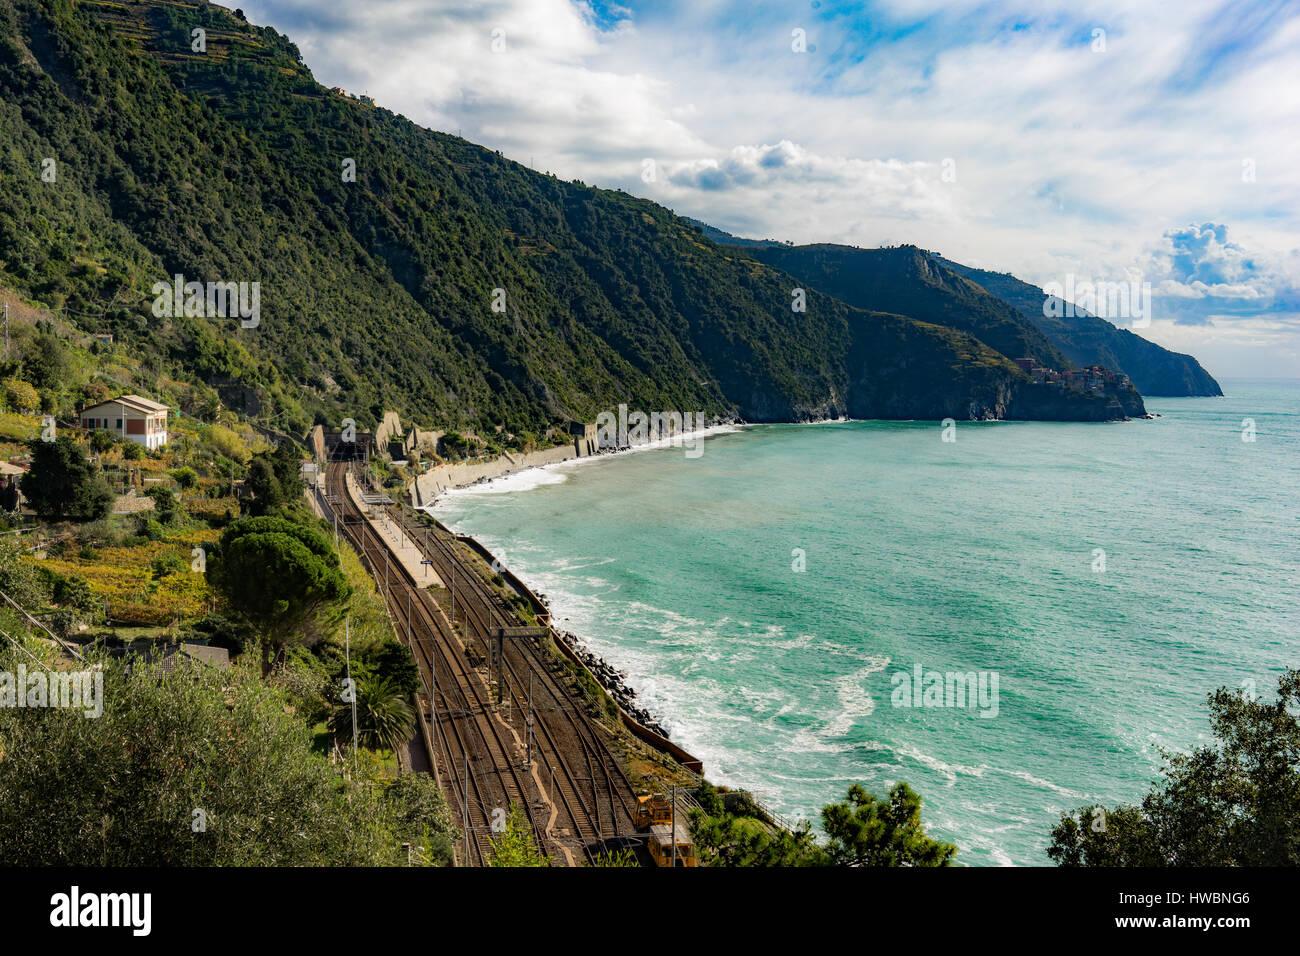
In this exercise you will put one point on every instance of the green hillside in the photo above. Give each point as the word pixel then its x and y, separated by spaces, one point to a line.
pixel 226 165
pixel 906 280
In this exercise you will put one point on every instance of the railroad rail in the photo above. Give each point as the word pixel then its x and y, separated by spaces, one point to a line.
pixel 575 792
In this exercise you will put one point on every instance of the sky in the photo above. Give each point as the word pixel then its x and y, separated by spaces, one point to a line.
pixel 1097 140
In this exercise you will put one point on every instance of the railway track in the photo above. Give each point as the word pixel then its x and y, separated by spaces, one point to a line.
pixel 566 732
pixel 576 792
pixel 479 768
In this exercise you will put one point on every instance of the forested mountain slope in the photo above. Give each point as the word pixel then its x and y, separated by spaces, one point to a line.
pixel 228 165
pixel 906 280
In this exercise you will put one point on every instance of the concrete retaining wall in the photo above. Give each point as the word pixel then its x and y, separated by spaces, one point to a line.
pixel 423 440
pixel 435 481
pixel 316 442
pixel 388 430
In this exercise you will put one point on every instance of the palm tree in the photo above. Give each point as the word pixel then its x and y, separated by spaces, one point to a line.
pixel 385 720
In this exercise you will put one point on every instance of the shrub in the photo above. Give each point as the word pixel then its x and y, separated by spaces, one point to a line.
pixel 21 397
pixel 62 485
pixel 220 741
pixel 168 562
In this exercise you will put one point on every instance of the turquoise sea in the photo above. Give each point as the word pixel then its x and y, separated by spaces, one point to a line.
pixel 978 555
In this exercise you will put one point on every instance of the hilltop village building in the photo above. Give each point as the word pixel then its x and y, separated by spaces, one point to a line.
pixel 363 99
pixel 1094 378
pixel 130 417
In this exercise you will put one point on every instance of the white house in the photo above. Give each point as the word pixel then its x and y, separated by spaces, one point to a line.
pixel 130 417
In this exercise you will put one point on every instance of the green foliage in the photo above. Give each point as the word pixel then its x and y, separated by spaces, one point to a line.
pixel 268 496
pixel 226 446
pixel 385 721
pixel 148 529
pixel 101 440
pixel 280 575
pixel 75 594
pixel 22 580
pixel 730 829
pixel 866 831
pixel 515 845
pixel 422 817
pixel 729 840
pixel 275 479
pixel 1235 803
pixel 187 478
pixel 392 661
pixel 45 360
pixel 62 485
pixel 130 781
pixel 619 859
pixel 709 799
pixel 169 562
pixel 164 504
pixel 20 396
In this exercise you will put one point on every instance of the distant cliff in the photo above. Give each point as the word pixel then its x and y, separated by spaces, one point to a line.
pixel 908 281
pixel 1087 339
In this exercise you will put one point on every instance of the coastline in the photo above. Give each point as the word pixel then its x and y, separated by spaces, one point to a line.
pixel 461 476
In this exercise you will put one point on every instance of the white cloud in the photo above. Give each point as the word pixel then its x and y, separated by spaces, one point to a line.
pixel 1242 348
pixel 1199 271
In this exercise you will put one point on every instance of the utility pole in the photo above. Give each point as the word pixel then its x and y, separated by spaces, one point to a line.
pixel 674 833
pixel 6 328
pixel 433 702
pixel 347 664
pixel 530 720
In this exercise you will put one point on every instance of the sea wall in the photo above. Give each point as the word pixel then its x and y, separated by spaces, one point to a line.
pixel 435 481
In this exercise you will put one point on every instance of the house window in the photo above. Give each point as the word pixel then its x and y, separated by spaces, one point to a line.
pixel 119 423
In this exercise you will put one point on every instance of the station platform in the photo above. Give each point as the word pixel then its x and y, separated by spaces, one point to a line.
pixel 402 548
